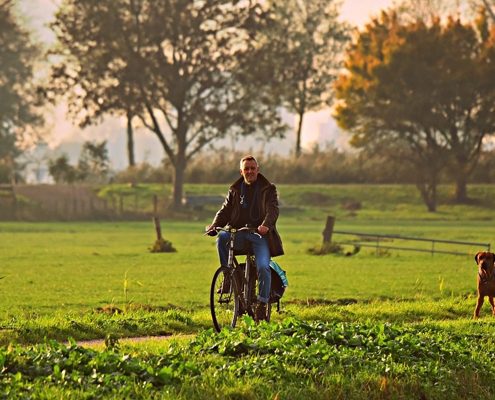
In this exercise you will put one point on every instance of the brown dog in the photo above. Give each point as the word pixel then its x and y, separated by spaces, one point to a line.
pixel 486 280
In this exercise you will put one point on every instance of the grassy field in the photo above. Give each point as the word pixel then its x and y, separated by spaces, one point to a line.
pixel 61 267
pixel 377 324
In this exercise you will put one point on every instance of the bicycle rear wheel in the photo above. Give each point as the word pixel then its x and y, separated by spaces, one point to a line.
pixel 224 299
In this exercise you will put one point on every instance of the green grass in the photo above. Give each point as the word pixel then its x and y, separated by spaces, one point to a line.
pixel 52 267
pixel 98 280
pixel 292 359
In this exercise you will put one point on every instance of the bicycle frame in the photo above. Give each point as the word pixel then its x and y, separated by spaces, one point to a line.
pixel 247 284
pixel 233 290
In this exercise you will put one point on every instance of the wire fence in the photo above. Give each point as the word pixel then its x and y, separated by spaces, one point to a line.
pixel 388 242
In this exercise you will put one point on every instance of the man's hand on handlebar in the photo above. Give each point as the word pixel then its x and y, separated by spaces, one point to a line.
pixel 263 230
pixel 211 230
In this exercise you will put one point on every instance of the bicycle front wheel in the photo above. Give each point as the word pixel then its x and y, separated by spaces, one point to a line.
pixel 224 299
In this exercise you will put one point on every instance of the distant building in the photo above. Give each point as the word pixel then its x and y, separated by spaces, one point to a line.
pixel 36 164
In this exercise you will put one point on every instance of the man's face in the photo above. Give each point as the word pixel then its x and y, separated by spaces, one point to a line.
pixel 249 171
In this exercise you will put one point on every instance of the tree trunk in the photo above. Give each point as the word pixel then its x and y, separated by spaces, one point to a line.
pixel 179 172
pixel 426 182
pixel 298 134
pixel 461 172
pixel 429 196
pixel 461 195
pixel 428 192
pixel 130 140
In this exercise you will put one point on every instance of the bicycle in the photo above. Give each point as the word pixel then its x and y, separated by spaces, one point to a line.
pixel 233 287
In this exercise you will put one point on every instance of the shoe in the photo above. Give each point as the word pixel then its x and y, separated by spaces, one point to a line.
pixel 225 288
pixel 260 313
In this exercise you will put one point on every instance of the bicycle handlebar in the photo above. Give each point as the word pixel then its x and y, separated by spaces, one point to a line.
pixel 229 229
pixel 233 230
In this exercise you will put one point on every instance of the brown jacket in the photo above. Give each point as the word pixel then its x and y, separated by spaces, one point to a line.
pixel 230 211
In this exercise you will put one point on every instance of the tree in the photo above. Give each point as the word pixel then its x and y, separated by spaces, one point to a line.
pixel 427 90
pixel 61 171
pixel 18 97
pixel 301 49
pixel 175 62
pixel 94 162
pixel 93 165
pixel 427 10
pixel 489 5
pixel 9 153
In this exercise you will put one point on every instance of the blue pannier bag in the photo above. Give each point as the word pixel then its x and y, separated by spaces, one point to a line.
pixel 279 283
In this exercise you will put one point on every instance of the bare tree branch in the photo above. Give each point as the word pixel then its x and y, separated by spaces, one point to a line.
pixel 6 3
pixel 488 7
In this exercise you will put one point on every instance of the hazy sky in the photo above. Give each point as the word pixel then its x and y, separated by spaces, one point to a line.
pixel 317 126
pixel 355 11
pixel 359 11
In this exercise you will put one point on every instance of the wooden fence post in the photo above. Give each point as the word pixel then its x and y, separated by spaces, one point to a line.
pixel 158 228
pixel 155 205
pixel 121 204
pixel 327 232
pixel 161 245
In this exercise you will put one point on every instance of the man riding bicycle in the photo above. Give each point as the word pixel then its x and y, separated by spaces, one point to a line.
pixel 251 201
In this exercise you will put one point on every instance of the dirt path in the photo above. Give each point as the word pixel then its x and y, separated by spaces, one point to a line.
pixel 133 340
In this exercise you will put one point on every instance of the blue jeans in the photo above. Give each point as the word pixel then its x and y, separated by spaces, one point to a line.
pixel 261 252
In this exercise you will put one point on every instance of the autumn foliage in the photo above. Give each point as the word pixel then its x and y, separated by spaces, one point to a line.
pixel 422 93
